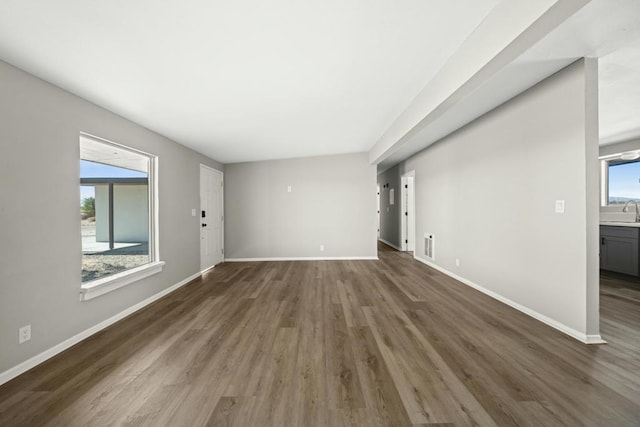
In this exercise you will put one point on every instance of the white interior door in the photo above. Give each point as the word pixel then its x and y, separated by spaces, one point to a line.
pixel 211 217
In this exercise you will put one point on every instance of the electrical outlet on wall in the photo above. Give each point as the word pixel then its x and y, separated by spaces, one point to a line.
pixel 193 212
pixel 24 334
pixel 321 248
pixel 457 262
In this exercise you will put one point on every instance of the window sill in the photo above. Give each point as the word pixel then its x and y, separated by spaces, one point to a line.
pixel 98 287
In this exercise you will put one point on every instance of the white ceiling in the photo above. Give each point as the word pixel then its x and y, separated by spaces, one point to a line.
pixel 620 90
pixel 243 80
pixel 251 80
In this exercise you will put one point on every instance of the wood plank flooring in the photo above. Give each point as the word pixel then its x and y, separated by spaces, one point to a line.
pixel 336 343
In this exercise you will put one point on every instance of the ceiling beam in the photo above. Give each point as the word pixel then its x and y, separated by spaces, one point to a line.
pixel 511 28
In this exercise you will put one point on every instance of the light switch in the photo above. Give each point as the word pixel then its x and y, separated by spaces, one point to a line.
pixel 193 212
pixel 289 189
pixel 560 206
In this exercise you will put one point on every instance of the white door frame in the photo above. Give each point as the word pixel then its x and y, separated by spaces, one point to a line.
pixel 378 206
pixel 221 219
pixel 408 211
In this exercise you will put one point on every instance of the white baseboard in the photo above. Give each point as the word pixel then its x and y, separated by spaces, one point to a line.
pixel 11 373
pixel 391 244
pixel 586 339
pixel 330 258
pixel 594 339
pixel 209 269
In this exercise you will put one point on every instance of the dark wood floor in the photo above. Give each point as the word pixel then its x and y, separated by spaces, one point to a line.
pixel 330 343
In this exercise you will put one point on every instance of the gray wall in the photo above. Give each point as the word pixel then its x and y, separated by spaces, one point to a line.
pixel 332 203
pixel 390 219
pixel 40 244
pixel 487 193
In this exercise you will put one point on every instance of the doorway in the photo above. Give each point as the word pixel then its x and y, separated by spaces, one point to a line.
pixel 211 217
pixel 407 200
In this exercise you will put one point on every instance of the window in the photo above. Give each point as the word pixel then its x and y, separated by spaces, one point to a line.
pixel 117 211
pixel 621 181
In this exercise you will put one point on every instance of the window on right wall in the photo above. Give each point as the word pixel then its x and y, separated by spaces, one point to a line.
pixel 622 181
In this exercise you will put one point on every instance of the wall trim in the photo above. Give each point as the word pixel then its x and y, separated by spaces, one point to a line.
pixel 332 258
pixel 584 338
pixel 391 244
pixel 23 367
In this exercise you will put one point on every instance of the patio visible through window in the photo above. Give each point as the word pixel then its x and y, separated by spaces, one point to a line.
pixel 114 209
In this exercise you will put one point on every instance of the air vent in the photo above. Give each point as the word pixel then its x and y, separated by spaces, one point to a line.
pixel 429 246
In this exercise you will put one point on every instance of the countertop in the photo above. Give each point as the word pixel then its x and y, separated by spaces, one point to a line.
pixel 621 224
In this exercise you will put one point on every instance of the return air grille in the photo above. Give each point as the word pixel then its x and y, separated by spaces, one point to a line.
pixel 429 246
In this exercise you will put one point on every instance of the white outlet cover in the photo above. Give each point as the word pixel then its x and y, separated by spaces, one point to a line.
pixel 322 247
pixel 289 189
pixel 457 262
pixel 193 212
pixel 559 206
pixel 24 334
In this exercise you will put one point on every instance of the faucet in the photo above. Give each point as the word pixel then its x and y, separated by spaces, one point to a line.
pixel 626 209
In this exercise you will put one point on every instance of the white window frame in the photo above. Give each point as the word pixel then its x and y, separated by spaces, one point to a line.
pixel 604 182
pixel 604 177
pixel 101 286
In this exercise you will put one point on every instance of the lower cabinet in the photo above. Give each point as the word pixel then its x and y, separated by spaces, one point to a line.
pixel 619 249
